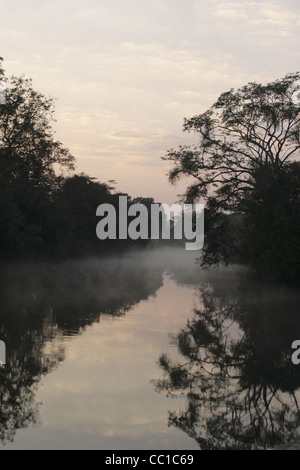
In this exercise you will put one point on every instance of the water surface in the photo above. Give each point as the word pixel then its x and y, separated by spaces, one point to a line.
pixel 146 351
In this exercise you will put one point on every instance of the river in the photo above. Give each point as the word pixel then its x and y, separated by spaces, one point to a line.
pixel 146 351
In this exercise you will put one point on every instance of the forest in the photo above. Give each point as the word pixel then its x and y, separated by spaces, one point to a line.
pixel 46 209
pixel 245 168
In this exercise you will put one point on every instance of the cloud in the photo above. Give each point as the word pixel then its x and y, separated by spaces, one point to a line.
pixel 276 18
pixel 229 10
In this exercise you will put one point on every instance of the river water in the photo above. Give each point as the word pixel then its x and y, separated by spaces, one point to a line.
pixel 146 351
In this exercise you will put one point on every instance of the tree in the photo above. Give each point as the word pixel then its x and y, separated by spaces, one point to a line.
pixel 29 158
pixel 74 216
pixel 244 167
pixel 43 213
pixel 28 150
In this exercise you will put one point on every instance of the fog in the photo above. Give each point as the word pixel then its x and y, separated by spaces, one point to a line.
pixel 43 303
pixel 126 307
pixel 97 285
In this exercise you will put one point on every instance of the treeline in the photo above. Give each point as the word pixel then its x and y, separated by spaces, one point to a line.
pixel 45 210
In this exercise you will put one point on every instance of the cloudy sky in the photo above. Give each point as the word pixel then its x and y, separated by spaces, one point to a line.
pixel 126 72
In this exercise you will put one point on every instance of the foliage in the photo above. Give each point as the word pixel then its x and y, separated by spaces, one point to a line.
pixel 45 210
pixel 245 167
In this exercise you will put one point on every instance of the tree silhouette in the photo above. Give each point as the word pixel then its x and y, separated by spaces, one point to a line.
pixel 245 168
pixel 45 211
pixel 236 372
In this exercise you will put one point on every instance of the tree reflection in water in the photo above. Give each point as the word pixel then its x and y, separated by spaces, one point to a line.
pixel 41 304
pixel 235 369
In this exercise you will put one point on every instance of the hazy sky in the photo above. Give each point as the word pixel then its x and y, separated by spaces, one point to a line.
pixel 126 72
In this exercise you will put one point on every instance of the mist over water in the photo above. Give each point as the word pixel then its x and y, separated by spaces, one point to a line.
pixel 85 341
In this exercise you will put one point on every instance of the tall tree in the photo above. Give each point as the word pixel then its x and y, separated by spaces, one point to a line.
pixel 244 166
pixel 29 158
pixel 28 149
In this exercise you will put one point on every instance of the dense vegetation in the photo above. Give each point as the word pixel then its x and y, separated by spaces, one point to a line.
pixel 246 168
pixel 45 209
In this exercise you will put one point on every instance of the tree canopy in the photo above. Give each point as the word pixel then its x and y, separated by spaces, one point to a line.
pixel 45 209
pixel 27 145
pixel 246 168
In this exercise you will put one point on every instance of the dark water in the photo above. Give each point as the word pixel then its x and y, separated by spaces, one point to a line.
pixel 146 352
